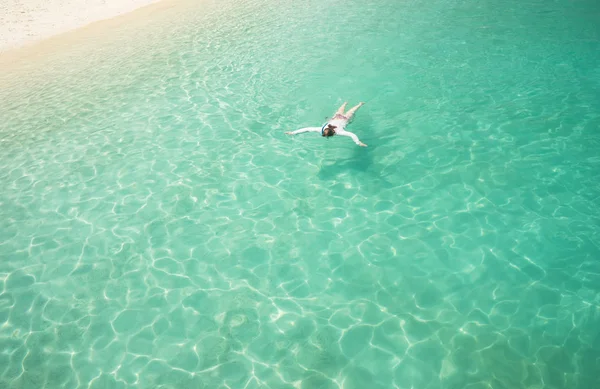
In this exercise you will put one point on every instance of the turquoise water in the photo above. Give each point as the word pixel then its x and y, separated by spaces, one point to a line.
pixel 159 230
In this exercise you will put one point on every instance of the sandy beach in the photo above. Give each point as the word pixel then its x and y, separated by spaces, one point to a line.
pixel 25 22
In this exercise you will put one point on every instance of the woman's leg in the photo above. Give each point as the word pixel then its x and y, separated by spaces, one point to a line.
pixel 353 110
pixel 341 109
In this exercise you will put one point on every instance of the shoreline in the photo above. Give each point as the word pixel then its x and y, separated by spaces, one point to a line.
pixel 54 52
pixel 25 25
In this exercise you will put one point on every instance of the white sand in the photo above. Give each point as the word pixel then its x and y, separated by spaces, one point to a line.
pixel 24 22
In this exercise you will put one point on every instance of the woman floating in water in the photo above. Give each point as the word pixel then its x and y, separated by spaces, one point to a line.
pixel 335 126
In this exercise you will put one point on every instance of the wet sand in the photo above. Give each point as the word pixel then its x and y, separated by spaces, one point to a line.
pixel 26 23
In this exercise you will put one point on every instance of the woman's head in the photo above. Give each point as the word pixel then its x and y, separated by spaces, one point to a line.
pixel 329 131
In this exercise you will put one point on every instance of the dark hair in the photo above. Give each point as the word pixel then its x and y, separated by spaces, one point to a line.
pixel 329 130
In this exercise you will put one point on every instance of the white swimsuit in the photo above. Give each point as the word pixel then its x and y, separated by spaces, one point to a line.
pixel 340 129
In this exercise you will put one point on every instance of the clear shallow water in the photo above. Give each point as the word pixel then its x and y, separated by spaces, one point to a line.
pixel 158 229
